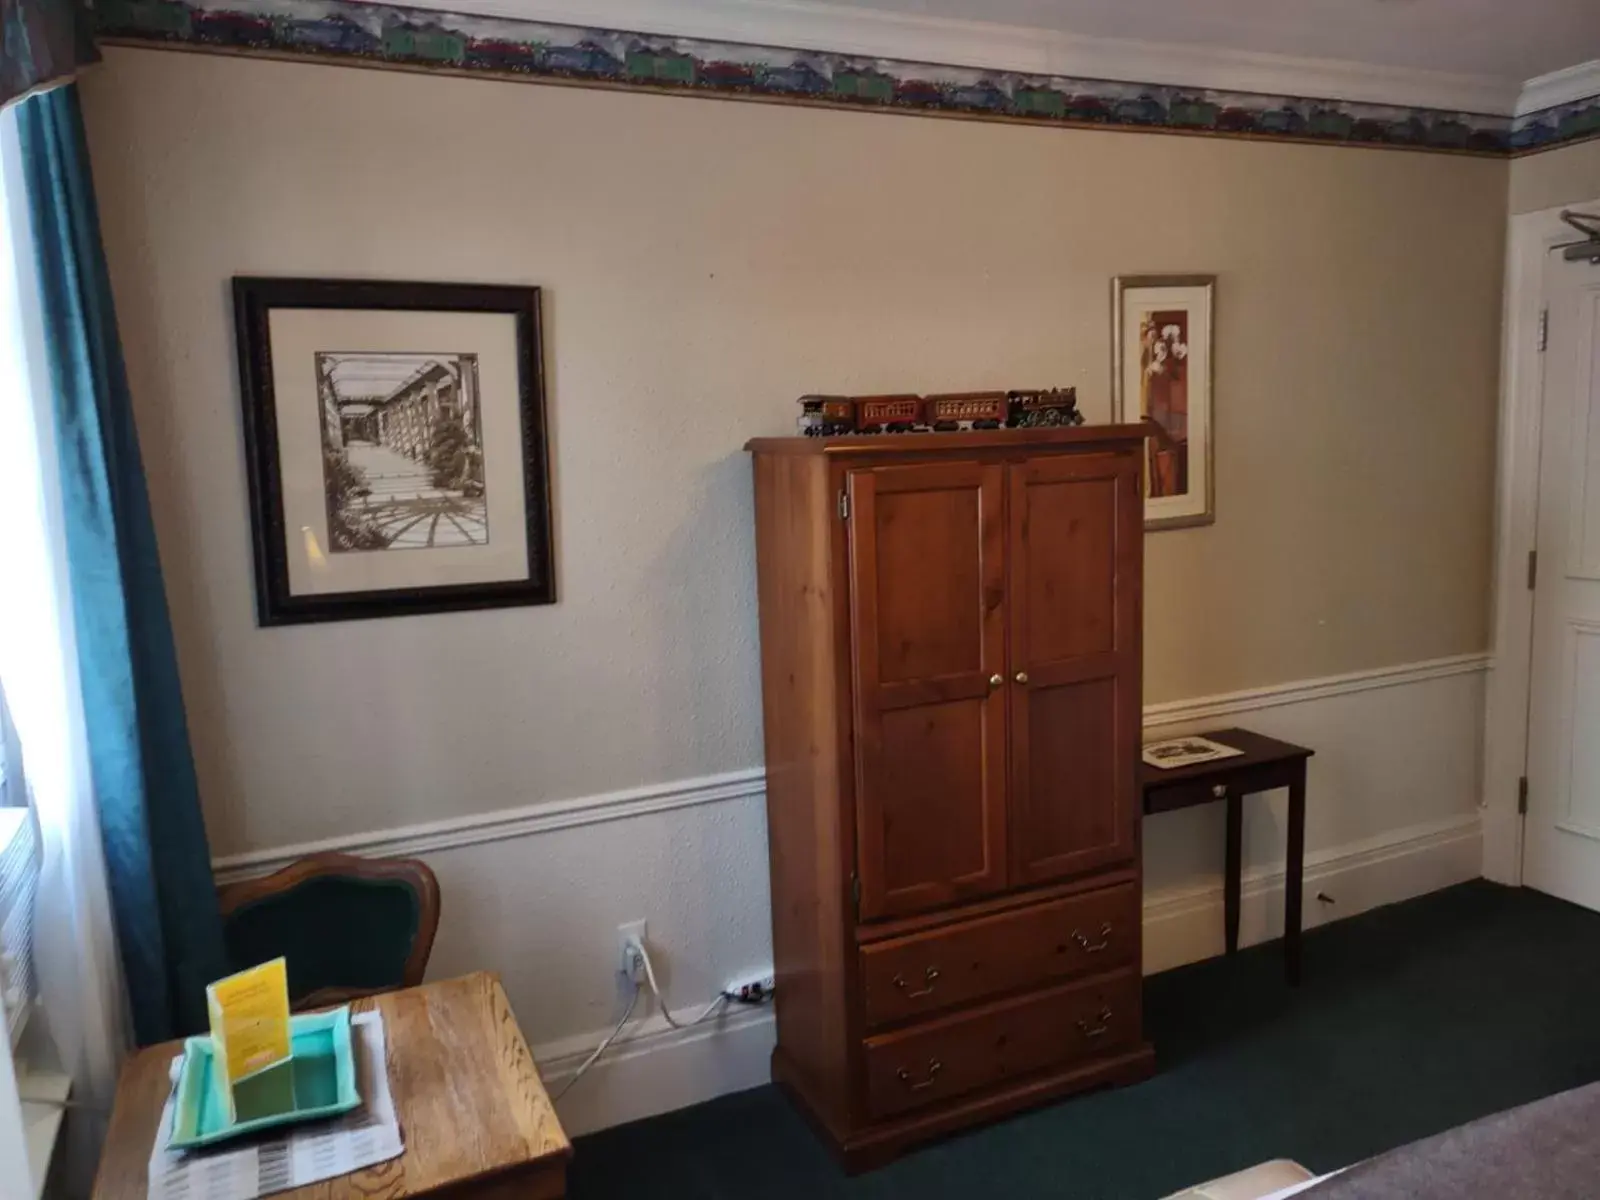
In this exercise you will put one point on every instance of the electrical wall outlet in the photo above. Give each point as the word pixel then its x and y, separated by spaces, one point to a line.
pixel 628 962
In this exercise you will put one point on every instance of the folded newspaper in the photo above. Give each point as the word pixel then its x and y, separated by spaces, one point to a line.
pixel 296 1155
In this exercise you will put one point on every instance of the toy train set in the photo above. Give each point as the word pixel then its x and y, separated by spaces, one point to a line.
pixel 830 416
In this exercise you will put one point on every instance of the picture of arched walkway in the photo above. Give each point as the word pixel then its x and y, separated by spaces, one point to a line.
pixel 402 440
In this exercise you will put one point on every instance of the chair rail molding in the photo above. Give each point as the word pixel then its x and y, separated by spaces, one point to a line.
pixel 750 784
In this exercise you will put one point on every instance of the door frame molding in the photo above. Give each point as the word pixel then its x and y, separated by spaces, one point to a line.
pixel 1531 237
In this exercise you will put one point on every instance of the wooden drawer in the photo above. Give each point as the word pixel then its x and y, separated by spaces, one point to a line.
pixel 950 1056
pixel 927 972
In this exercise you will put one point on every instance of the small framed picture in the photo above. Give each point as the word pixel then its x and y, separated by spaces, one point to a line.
pixel 1164 338
pixel 396 446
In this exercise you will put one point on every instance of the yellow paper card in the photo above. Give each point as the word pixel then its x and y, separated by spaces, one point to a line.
pixel 249 1024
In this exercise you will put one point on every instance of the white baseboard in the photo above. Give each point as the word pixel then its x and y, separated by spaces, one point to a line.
pixel 660 1069
pixel 1185 925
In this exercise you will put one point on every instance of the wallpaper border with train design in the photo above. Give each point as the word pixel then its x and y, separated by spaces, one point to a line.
pixel 395 36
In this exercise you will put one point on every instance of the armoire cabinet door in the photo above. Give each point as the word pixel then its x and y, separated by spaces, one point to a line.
pixel 1076 549
pixel 928 598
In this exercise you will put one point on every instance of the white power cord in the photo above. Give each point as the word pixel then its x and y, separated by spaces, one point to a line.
pixel 661 1002
pixel 627 1016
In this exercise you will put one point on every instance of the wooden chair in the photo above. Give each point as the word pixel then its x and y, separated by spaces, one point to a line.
pixel 349 927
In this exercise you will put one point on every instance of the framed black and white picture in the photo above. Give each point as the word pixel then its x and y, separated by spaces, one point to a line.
pixel 395 436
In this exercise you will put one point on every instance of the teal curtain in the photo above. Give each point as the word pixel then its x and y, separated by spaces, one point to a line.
pixel 163 898
pixel 42 41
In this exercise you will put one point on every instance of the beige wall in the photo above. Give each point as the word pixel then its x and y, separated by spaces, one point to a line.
pixel 1556 177
pixel 704 264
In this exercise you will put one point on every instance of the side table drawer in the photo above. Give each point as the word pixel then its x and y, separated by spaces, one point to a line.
pixel 928 972
pixel 953 1055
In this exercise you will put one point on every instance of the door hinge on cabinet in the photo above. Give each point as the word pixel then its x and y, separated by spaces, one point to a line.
pixel 1533 568
pixel 844 505
pixel 1522 796
pixel 1544 330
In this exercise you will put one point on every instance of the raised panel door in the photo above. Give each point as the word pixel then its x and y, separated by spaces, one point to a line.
pixel 1561 837
pixel 1076 547
pixel 928 621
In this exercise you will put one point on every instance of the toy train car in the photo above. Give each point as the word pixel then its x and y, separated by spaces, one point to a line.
pixel 832 416
pixel 827 416
pixel 1047 407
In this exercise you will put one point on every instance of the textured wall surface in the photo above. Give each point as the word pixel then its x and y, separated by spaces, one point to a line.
pixel 1556 177
pixel 707 262
pixel 704 264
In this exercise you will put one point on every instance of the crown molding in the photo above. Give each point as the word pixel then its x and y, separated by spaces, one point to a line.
pixel 1560 87
pixel 988 45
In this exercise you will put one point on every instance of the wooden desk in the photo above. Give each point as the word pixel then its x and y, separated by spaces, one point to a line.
pixel 477 1122
pixel 1266 764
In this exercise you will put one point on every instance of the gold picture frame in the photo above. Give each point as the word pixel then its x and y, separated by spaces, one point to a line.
pixel 1163 370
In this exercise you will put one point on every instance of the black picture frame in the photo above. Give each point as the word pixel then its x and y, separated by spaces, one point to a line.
pixel 254 298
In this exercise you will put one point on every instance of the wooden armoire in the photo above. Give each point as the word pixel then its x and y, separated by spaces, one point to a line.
pixel 950 668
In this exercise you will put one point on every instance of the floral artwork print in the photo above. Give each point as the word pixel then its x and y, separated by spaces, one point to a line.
pixel 1164 357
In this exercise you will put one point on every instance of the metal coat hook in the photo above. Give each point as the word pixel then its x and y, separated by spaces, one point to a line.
pixel 1587 224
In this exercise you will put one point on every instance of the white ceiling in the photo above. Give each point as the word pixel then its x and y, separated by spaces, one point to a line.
pixel 1510 39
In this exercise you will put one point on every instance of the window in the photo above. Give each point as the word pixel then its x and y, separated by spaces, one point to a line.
pixel 34 730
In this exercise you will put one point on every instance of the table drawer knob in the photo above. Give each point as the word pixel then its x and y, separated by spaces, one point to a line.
pixel 929 977
pixel 1101 941
pixel 904 1076
pixel 1220 791
pixel 1099 1026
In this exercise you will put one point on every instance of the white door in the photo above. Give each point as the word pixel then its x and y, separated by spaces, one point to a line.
pixel 1561 843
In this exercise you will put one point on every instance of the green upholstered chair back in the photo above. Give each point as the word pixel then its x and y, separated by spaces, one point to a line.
pixel 348 926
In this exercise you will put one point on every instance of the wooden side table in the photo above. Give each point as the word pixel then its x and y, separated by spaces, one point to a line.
pixel 1265 765
pixel 477 1122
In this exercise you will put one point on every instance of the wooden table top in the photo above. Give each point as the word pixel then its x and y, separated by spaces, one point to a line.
pixel 1258 748
pixel 470 1103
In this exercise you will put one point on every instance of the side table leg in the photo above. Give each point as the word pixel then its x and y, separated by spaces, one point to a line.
pixel 1294 882
pixel 1232 869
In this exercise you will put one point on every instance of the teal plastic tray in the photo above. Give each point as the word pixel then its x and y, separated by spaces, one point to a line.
pixel 324 1069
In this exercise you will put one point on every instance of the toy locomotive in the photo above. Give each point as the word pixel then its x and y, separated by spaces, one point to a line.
pixel 827 416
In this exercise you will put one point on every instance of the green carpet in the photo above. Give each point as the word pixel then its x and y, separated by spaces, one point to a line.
pixel 1412 1019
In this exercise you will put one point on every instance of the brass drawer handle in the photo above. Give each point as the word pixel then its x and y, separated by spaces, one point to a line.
pixel 1099 1027
pixel 1089 947
pixel 929 977
pixel 904 1076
